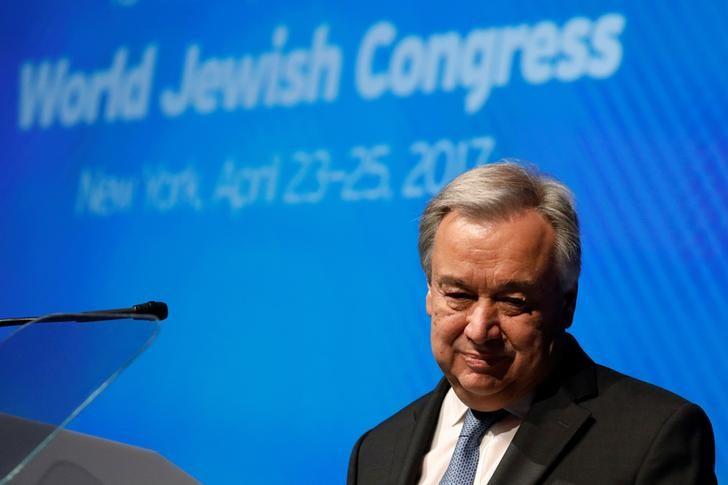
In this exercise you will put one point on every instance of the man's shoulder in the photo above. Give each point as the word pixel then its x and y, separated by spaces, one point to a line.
pixel 641 429
pixel 598 387
pixel 616 388
pixel 409 413
pixel 629 407
pixel 380 452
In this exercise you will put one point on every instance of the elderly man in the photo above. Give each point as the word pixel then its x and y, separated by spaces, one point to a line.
pixel 521 403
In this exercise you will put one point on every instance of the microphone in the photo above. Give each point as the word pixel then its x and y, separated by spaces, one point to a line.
pixel 151 310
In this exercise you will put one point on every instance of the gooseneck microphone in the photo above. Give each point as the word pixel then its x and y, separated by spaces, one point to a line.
pixel 151 310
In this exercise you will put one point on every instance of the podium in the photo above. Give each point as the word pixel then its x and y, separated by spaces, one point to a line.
pixel 51 369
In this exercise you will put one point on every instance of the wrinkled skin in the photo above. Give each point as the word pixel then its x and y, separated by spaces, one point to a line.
pixel 496 306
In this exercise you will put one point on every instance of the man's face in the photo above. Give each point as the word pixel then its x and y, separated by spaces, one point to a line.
pixel 496 306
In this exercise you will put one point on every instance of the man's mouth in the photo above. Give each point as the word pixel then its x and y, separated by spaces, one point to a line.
pixel 478 361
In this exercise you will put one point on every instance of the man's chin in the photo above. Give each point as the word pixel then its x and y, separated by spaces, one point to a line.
pixel 474 385
pixel 482 398
pixel 481 384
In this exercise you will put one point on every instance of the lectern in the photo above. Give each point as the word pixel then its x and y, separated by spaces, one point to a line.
pixel 50 369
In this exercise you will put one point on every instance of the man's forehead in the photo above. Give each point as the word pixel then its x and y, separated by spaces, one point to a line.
pixel 526 230
pixel 513 252
pixel 491 219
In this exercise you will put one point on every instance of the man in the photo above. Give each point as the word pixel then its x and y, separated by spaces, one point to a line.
pixel 520 402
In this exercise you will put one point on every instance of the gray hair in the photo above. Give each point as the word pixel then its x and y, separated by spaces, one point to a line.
pixel 497 191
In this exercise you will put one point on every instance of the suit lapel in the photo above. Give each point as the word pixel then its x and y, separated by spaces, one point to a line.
pixel 553 421
pixel 551 424
pixel 541 438
pixel 415 446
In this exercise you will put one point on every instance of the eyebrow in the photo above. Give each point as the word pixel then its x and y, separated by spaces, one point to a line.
pixel 451 281
pixel 516 286
pixel 513 285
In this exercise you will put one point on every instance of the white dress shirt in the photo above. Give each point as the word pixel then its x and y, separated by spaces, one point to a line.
pixel 492 448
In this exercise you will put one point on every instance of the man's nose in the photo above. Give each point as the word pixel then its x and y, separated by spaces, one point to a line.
pixel 483 323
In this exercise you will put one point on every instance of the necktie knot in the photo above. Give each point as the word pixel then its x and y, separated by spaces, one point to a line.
pixel 464 461
pixel 477 423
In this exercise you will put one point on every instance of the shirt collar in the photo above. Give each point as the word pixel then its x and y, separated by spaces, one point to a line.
pixel 455 409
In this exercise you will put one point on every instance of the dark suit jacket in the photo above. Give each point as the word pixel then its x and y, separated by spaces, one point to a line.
pixel 587 425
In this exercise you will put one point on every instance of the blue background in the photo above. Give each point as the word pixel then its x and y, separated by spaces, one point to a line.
pixel 294 327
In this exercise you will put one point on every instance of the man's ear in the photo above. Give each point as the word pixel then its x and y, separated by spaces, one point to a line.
pixel 428 299
pixel 570 306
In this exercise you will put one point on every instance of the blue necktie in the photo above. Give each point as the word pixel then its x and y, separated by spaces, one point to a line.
pixel 464 461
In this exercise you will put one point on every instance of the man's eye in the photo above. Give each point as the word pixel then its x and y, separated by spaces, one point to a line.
pixel 516 304
pixel 514 300
pixel 460 295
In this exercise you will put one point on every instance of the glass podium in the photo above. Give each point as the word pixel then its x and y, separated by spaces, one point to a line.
pixel 51 369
